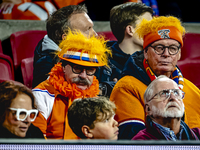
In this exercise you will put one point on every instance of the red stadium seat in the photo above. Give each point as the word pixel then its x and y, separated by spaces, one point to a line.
pixel 27 71
pixel 23 44
pixel 191 46
pixel 7 69
pixel 191 70
pixel 108 35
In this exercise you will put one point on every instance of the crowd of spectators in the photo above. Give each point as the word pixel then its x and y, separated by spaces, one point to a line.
pixel 85 87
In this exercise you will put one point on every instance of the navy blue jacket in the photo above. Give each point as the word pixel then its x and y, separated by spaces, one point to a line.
pixel 106 75
pixel 43 62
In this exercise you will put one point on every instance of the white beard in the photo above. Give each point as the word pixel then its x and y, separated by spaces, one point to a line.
pixel 168 113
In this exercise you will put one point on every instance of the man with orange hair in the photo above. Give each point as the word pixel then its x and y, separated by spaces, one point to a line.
pixel 162 49
pixel 69 79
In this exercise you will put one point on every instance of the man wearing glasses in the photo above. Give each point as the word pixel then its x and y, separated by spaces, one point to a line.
pixel 162 49
pixel 69 79
pixel 164 108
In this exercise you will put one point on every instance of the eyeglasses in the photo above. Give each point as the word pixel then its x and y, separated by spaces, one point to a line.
pixel 165 94
pixel 22 114
pixel 160 49
pixel 77 69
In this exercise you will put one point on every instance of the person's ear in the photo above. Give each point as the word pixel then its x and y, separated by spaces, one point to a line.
pixel 145 53
pixel 86 131
pixel 147 109
pixel 64 36
pixel 129 30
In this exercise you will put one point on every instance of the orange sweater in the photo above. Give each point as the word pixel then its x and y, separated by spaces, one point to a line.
pixel 128 97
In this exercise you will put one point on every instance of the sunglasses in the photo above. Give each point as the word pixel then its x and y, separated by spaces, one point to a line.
pixel 22 114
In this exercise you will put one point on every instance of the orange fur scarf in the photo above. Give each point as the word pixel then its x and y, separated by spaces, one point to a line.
pixel 70 90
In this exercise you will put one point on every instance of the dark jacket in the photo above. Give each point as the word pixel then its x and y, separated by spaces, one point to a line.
pixel 106 75
pixel 152 132
pixel 43 62
pixel 33 132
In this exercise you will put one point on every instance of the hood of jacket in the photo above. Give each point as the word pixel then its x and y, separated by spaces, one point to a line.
pixel 119 58
pixel 134 67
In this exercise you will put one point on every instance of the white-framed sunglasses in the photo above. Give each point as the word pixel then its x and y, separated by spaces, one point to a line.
pixel 22 114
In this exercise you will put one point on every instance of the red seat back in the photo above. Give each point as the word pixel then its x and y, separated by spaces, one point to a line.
pixel 190 70
pixel 191 46
pixel 6 67
pixel 23 44
pixel 27 71
pixel 108 35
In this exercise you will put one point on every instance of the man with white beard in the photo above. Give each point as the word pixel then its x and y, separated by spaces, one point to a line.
pixel 164 109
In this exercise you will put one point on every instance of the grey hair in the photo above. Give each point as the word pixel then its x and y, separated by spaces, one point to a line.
pixel 149 91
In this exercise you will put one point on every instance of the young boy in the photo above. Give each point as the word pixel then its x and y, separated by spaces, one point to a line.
pixel 93 118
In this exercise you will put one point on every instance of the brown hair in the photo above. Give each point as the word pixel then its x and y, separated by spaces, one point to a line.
pixel 8 91
pixel 59 22
pixel 86 111
pixel 126 14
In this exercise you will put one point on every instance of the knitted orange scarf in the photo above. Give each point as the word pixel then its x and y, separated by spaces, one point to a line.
pixel 70 90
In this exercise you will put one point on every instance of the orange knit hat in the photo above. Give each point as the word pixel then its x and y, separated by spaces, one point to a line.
pixel 160 28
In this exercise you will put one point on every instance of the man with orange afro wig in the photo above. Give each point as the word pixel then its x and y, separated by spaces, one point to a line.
pixel 71 78
pixel 162 45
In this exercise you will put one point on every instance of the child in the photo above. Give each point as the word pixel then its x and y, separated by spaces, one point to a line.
pixel 93 118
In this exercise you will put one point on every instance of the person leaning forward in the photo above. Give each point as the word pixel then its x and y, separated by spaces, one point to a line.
pixel 162 49
pixel 69 79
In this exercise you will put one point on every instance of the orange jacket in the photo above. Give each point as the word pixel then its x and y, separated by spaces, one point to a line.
pixel 128 97
pixel 53 106
pixel 48 100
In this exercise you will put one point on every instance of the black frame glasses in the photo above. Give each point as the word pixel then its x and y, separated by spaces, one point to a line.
pixel 160 49
pixel 77 69
pixel 165 94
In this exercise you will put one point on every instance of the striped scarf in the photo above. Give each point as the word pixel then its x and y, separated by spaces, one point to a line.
pixel 176 74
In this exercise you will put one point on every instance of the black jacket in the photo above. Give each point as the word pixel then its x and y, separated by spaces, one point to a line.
pixel 33 132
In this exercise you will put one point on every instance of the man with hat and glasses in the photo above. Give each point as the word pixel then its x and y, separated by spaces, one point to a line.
pixel 162 49
pixel 164 108
pixel 69 79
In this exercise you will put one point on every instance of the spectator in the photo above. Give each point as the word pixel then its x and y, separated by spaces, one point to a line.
pixel 123 20
pixel 69 79
pixel 162 49
pixel 163 103
pixel 17 111
pixel 26 9
pixel 73 17
pixel 93 118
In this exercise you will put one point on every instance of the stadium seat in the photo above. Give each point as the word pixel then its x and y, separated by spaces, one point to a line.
pixel 27 71
pixel 191 46
pixel 190 70
pixel 23 44
pixel 108 35
pixel 7 69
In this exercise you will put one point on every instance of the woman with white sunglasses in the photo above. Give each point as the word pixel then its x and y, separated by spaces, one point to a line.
pixel 17 111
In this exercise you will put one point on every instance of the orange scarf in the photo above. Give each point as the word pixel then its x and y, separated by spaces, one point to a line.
pixel 70 90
